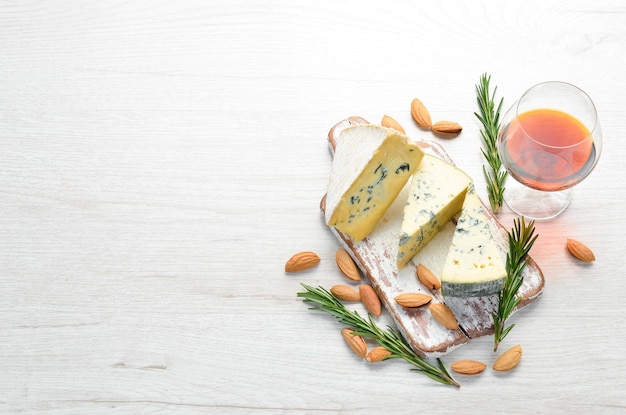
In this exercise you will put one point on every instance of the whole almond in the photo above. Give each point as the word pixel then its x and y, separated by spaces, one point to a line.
pixel 446 128
pixel 370 299
pixel 420 114
pixel 389 122
pixel 444 315
pixel 427 278
pixel 301 261
pixel 411 300
pixel 468 367
pixel 580 251
pixel 346 265
pixel 356 342
pixel 345 293
pixel 509 359
pixel 377 354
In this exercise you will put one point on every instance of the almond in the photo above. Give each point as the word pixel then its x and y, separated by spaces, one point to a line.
pixel 346 265
pixel 410 300
pixel 580 251
pixel 420 114
pixel 377 354
pixel 301 261
pixel 446 128
pixel 509 359
pixel 389 122
pixel 468 367
pixel 427 278
pixel 356 342
pixel 370 299
pixel 444 315
pixel 345 293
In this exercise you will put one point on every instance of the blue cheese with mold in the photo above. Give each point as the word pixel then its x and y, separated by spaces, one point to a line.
pixel 436 194
pixel 370 167
pixel 474 265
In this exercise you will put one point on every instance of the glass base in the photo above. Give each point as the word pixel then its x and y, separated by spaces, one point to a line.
pixel 535 204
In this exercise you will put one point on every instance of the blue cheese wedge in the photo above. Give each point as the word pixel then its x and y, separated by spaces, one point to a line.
pixel 436 194
pixel 370 167
pixel 474 266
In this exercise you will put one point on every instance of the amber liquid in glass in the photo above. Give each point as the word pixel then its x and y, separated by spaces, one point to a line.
pixel 547 149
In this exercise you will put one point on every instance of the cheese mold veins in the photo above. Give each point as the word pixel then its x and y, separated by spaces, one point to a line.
pixel 370 167
pixel 436 194
pixel 474 266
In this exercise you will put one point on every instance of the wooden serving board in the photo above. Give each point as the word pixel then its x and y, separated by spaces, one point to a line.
pixel 376 257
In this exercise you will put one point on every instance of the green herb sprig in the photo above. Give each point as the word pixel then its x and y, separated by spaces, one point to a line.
pixel 489 117
pixel 521 239
pixel 391 339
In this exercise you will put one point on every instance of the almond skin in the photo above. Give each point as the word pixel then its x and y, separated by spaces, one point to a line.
pixel 356 343
pixel 446 128
pixel 345 293
pixel 444 315
pixel 468 367
pixel 323 203
pixel 389 122
pixel 370 299
pixel 346 265
pixel 301 261
pixel 426 277
pixel 580 251
pixel 509 359
pixel 377 354
pixel 411 300
pixel 420 114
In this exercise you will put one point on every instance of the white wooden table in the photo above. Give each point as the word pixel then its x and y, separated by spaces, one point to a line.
pixel 160 161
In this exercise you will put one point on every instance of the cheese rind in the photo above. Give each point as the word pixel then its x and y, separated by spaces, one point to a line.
pixel 370 167
pixel 474 266
pixel 436 194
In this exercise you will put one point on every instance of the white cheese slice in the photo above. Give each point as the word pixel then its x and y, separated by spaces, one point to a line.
pixel 474 266
pixel 370 167
pixel 436 194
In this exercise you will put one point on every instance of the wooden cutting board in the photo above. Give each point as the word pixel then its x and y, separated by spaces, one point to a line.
pixel 376 257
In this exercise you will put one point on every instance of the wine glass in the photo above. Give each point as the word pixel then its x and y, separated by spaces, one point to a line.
pixel 550 140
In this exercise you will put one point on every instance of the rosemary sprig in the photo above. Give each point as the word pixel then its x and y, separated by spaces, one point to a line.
pixel 521 240
pixel 391 339
pixel 490 119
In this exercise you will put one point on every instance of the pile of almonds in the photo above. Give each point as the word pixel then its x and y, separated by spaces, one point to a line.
pixel 421 115
pixel 366 294
pixel 346 293
pixel 370 300
pixel 440 312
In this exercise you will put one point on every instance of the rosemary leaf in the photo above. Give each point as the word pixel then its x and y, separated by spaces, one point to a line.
pixel 521 239
pixel 391 339
pixel 489 117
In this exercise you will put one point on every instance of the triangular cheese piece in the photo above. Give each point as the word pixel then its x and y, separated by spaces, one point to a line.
pixel 474 266
pixel 370 167
pixel 436 194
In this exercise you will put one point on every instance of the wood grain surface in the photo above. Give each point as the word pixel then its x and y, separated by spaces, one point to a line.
pixel 160 161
